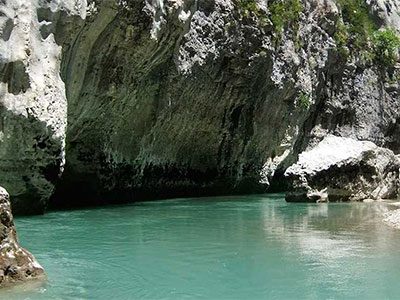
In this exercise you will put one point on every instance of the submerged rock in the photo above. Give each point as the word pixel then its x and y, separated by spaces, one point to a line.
pixel 16 263
pixel 392 218
pixel 342 169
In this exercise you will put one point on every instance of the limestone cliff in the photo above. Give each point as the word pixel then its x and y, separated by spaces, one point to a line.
pixel 149 99
pixel 33 106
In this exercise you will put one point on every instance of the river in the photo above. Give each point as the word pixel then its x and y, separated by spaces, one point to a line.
pixel 233 247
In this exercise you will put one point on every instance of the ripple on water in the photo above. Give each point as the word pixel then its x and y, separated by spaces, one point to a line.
pixel 247 247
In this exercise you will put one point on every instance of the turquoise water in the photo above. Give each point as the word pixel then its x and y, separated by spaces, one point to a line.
pixel 247 247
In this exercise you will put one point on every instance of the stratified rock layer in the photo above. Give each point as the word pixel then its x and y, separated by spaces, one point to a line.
pixel 16 263
pixel 342 169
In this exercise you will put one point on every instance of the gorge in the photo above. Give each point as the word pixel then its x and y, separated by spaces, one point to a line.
pixel 121 101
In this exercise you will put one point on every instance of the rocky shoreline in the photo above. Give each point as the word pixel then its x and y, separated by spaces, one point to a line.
pixel 16 263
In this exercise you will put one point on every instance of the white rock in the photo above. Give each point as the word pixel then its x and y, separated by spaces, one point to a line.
pixel 32 95
pixel 340 169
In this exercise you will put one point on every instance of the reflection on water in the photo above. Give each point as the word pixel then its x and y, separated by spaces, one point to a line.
pixel 248 247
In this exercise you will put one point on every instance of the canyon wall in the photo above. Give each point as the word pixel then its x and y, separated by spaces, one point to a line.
pixel 119 101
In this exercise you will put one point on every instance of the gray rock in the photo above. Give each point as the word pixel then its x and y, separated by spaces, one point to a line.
pixel 175 98
pixel 33 104
pixel 342 169
pixel 16 263
pixel 388 11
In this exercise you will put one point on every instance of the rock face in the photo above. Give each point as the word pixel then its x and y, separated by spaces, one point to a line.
pixel 341 169
pixel 16 263
pixel 177 98
pixel 33 105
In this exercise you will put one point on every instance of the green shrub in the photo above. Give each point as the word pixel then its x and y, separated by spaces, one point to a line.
pixel 284 12
pixel 359 23
pixel 394 78
pixel 248 7
pixel 303 100
pixel 342 39
pixel 355 33
pixel 386 45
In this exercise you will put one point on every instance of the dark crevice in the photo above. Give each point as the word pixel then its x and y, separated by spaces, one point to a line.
pixel 15 76
pixel 7 29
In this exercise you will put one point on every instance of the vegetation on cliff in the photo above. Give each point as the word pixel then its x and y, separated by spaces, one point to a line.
pixel 303 100
pixel 356 30
pixel 357 34
pixel 284 12
pixel 359 25
pixel 386 47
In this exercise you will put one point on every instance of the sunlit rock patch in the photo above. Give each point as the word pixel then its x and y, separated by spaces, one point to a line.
pixel 16 263
pixel 342 169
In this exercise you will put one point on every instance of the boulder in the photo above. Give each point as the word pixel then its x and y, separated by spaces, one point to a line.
pixel 343 169
pixel 16 263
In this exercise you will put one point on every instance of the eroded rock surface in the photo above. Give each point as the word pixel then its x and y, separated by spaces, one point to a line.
pixel 193 97
pixel 178 98
pixel 33 105
pixel 342 169
pixel 16 263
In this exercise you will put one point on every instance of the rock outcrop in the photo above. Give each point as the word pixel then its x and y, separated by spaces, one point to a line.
pixel 177 98
pixel 16 263
pixel 342 169
pixel 33 105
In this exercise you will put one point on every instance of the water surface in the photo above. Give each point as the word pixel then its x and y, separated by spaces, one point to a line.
pixel 247 247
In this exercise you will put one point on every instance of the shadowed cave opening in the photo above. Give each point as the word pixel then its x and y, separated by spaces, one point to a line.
pixel 131 185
